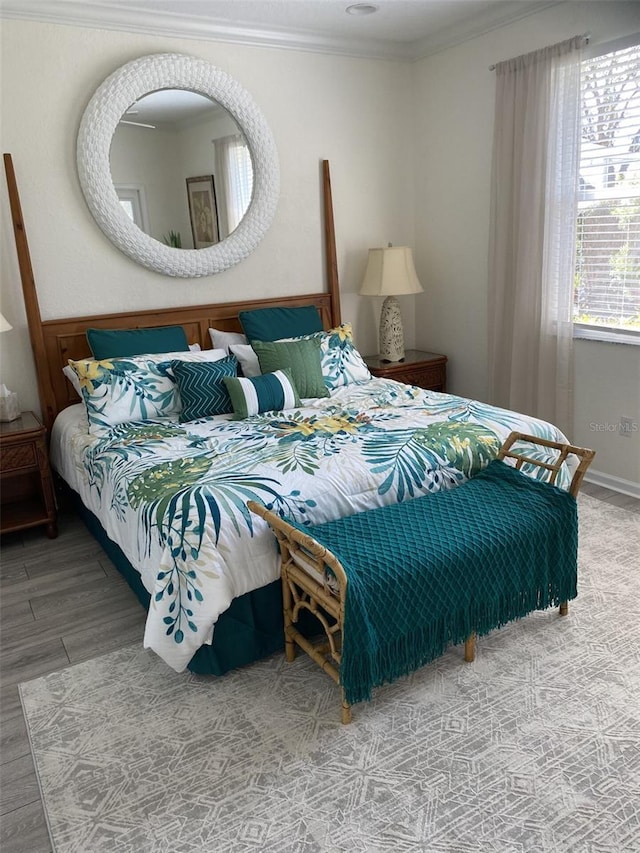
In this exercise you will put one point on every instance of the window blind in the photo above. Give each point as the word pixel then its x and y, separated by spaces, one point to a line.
pixel 240 180
pixel 607 285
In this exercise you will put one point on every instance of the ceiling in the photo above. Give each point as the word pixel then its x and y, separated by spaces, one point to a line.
pixel 170 109
pixel 399 29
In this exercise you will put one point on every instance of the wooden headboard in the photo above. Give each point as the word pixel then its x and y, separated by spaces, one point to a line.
pixel 54 342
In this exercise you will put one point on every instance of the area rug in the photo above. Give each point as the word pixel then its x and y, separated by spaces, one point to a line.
pixel 534 747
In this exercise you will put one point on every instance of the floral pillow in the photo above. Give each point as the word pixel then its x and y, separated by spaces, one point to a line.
pixel 118 390
pixel 342 364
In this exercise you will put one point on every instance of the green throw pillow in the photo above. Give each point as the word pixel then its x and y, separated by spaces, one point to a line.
pixel 124 343
pixel 301 357
pixel 202 391
pixel 271 392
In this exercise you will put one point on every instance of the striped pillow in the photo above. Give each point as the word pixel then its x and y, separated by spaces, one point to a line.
pixel 271 392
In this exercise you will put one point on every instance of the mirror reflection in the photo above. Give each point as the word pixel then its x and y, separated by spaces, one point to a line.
pixel 181 168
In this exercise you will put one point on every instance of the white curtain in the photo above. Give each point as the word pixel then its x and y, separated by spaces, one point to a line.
pixel 536 156
pixel 234 165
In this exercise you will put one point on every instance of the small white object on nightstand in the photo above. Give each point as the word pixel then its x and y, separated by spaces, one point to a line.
pixel 9 409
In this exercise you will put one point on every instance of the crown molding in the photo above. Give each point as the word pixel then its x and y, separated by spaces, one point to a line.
pixel 491 19
pixel 101 14
pixel 106 17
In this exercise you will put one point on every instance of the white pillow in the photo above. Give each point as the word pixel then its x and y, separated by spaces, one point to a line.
pixel 225 339
pixel 72 376
pixel 194 354
pixel 247 359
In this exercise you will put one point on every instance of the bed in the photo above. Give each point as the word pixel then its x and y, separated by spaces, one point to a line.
pixel 167 499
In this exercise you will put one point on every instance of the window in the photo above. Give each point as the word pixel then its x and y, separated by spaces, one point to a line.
pixel 127 204
pixel 133 202
pixel 234 164
pixel 607 280
pixel 240 179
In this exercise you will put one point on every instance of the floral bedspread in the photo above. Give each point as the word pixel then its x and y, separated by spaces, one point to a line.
pixel 173 496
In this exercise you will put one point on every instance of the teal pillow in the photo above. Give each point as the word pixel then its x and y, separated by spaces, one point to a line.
pixel 124 343
pixel 202 390
pixel 271 324
pixel 302 358
pixel 271 392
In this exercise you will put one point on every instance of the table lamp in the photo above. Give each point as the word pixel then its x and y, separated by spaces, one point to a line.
pixel 390 272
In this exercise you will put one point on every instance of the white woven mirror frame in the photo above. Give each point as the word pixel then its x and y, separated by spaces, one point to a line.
pixel 100 119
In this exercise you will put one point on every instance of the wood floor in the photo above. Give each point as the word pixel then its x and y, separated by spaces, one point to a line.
pixel 61 602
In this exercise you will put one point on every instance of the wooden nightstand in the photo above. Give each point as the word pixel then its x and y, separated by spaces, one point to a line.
pixel 427 370
pixel 26 494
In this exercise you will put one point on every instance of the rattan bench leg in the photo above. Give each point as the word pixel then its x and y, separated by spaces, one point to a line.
pixel 289 642
pixel 289 649
pixel 470 647
pixel 345 711
pixel 564 608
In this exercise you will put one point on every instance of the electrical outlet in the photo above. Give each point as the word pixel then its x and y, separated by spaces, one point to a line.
pixel 626 427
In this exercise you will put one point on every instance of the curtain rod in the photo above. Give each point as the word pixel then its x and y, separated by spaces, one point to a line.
pixel 585 36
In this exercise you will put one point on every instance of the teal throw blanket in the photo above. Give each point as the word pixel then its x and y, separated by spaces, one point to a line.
pixel 425 573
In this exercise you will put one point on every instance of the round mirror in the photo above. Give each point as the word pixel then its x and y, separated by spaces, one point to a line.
pixel 178 165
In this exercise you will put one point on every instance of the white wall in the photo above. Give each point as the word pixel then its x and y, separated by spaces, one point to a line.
pixel 607 387
pixel 453 127
pixel 345 110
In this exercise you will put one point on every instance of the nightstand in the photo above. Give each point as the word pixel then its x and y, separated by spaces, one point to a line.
pixel 427 370
pixel 26 490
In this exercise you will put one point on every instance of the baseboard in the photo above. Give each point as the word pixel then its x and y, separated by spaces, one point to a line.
pixel 616 484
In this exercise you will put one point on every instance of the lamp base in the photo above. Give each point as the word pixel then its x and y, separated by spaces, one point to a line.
pixel 391 334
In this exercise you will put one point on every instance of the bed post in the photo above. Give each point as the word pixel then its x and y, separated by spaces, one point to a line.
pixel 34 321
pixel 333 284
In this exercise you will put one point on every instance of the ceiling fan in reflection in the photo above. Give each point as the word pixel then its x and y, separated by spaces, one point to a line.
pixel 135 123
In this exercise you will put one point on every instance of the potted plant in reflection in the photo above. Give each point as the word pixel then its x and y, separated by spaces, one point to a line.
pixel 173 239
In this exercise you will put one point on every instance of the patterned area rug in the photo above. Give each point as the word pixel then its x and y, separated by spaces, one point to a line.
pixel 534 747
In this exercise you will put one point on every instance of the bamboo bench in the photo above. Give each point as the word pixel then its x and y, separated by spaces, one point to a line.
pixel 314 579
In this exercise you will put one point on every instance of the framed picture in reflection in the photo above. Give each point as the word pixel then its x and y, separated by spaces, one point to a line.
pixel 203 211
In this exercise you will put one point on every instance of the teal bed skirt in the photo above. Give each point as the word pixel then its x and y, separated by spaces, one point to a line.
pixel 251 629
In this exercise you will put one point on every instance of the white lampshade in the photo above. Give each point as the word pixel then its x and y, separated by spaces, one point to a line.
pixel 390 272
pixel 5 325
